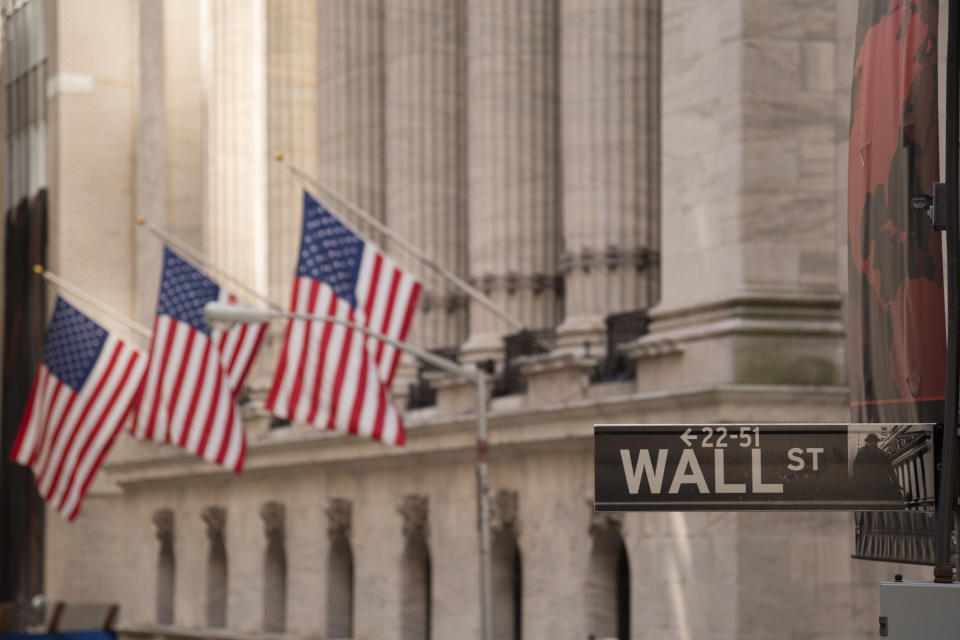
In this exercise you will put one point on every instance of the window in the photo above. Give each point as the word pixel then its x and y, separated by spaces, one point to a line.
pixel 215 518
pixel 25 69
pixel 608 586
pixel 274 569
pixel 415 582
pixel 339 572
pixel 166 565
pixel 507 587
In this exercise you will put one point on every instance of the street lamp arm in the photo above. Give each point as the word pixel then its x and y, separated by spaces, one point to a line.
pixel 216 312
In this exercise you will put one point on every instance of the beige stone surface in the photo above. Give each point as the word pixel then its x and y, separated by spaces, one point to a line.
pixel 485 130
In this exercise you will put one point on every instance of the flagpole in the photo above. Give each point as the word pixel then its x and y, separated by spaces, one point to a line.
pixel 219 312
pixel 444 273
pixel 204 263
pixel 93 302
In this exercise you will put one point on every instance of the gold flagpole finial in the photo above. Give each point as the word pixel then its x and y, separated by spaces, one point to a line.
pixel 141 220
pixel 38 269
pixel 278 156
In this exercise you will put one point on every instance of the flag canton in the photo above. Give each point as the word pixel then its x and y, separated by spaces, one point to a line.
pixel 184 291
pixel 72 345
pixel 329 251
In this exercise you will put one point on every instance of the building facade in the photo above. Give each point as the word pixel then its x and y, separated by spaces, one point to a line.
pixel 654 188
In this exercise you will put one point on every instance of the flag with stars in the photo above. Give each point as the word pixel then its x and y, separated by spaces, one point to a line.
pixel 82 392
pixel 330 376
pixel 195 372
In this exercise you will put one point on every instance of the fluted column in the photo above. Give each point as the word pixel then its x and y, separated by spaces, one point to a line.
pixel 351 113
pixel 425 173
pixel 609 98
pixel 235 198
pixel 513 165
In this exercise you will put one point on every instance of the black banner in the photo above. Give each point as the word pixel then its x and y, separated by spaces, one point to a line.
pixel 724 467
pixel 896 334
pixel 21 507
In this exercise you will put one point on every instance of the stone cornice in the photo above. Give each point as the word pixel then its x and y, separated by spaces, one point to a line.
pixel 563 426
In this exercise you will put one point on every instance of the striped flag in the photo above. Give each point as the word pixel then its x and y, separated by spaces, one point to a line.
pixel 82 392
pixel 330 376
pixel 195 372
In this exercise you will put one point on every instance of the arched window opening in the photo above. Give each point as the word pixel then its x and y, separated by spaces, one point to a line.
pixel 166 565
pixel 416 572
pixel 339 572
pixel 507 587
pixel 608 586
pixel 274 570
pixel 215 519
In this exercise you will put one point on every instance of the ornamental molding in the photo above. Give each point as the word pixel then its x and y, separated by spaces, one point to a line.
pixel 414 512
pixel 448 302
pixel 612 257
pixel 339 518
pixel 512 282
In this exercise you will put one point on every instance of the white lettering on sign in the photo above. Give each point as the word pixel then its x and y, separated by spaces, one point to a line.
pixel 634 474
pixel 721 486
pixel 758 484
pixel 799 462
pixel 688 471
pixel 688 459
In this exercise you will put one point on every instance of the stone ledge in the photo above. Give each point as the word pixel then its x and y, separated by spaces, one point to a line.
pixel 164 631
pixel 562 425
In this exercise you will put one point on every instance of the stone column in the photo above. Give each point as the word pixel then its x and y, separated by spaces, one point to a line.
pixel 292 115
pixel 235 194
pixel 425 151
pixel 610 67
pixel 351 116
pixel 750 252
pixel 293 60
pixel 512 48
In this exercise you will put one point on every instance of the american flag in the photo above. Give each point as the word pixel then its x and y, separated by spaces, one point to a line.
pixel 328 375
pixel 82 392
pixel 195 372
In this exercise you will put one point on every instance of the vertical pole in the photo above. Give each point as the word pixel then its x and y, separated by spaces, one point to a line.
pixel 483 511
pixel 946 504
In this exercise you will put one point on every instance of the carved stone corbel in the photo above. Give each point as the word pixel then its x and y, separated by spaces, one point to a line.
pixel 272 514
pixel 216 520
pixel 163 523
pixel 339 518
pixel 414 512
pixel 603 521
pixel 504 511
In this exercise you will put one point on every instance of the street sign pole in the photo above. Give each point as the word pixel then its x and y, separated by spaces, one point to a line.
pixel 947 504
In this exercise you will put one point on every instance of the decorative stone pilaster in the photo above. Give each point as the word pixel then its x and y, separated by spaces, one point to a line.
pixel 414 512
pixel 610 64
pixel 749 246
pixel 339 518
pixel 513 185
pixel 272 514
